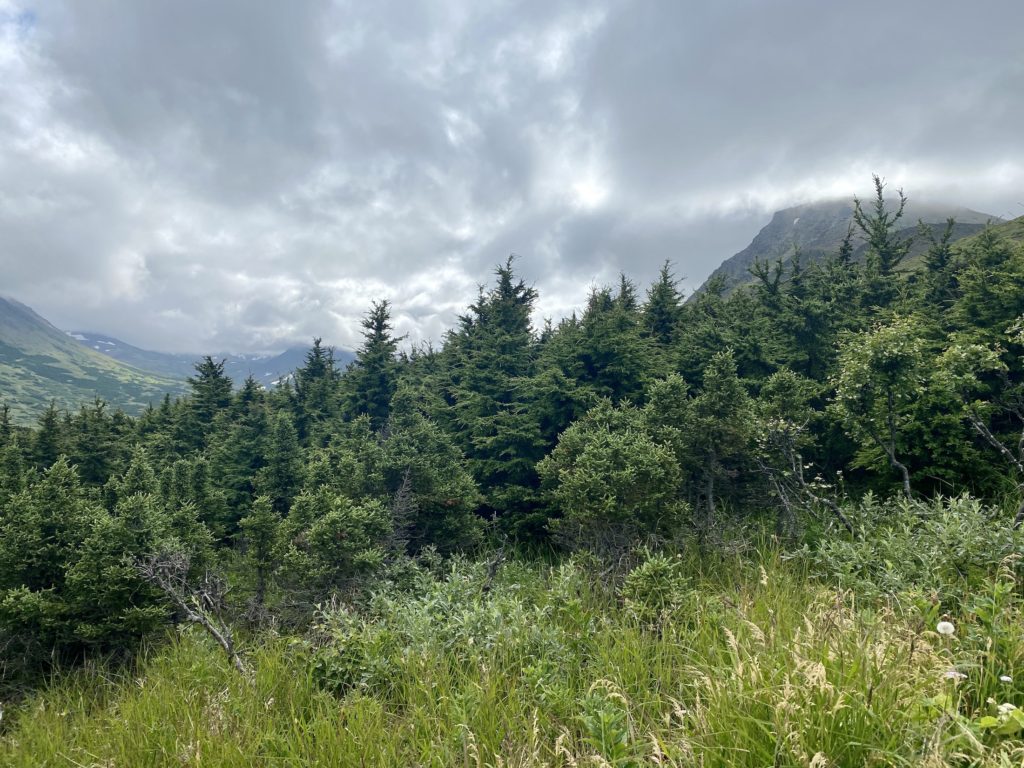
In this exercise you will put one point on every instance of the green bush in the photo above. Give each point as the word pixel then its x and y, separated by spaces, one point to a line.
pixel 611 482
pixel 656 587
pixel 945 548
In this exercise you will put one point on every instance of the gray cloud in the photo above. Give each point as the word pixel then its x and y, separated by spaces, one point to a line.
pixel 238 176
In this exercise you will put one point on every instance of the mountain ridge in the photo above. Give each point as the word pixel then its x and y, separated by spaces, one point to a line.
pixel 39 364
pixel 267 369
pixel 817 229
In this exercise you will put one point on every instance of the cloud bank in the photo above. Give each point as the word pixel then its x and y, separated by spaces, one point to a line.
pixel 238 176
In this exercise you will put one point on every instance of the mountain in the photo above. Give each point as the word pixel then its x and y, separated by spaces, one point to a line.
pixel 1011 231
pixel 818 228
pixel 40 363
pixel 266 369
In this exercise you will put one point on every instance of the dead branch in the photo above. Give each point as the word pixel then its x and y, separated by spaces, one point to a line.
pixel 200 602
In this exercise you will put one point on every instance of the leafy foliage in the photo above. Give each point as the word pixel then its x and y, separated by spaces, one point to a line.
pixel 641 420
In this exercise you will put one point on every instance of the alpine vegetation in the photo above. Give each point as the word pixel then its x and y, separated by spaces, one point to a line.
pixel 777 525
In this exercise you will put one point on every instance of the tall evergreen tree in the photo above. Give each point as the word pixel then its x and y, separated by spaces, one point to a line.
pixel 662 312
pixel 316 392
pixel 279 478
pixel 616 359
pixel 95 444
pixel 240 447
pixel 42 532
pixel 420 460
pixel 886 248
pixel 138 479
pixel 261 535
pixel 6 427
pixel 211 395
pixel 939 280
pixel 990 298
pixel 373 377
pixel 492 358
pixel 12 471
pixel 49 440
pixel 720 431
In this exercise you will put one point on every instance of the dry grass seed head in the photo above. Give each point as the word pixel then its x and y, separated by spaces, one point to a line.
pixel 563 751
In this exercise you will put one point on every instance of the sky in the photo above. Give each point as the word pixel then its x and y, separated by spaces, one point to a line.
pixel 241 176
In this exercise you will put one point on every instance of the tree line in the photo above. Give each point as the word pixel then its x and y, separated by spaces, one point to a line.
pixel 642 418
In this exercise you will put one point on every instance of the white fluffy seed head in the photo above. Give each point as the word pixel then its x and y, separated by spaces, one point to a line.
pixel 945 628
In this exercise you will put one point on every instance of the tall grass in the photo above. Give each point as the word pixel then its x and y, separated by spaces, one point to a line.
pixel 759 661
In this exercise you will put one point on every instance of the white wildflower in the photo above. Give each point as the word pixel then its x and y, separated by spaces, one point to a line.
pixel 1005 679
pixel 954 674
pixel 1005 709
pixel 945 628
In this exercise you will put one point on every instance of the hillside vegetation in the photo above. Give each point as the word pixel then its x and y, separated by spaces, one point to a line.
pixel 781 526
pixel 40 364
pixel 752 658
pixel 816 230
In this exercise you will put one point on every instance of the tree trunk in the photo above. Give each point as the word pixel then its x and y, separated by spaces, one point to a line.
pixel 890 448
pixel 904 472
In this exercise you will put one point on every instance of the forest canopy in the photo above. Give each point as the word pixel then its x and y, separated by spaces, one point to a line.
pixel 643 420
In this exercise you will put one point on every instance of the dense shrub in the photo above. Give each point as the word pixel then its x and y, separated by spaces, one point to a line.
pixel 656 587
pixel 945 548
pixel 611 482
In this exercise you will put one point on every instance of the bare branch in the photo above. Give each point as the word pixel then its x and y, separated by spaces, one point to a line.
pixel 200 603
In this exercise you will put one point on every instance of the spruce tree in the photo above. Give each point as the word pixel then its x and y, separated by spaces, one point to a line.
pixel 112 605
pixel 261 535
pixel 211 395
pixel 12 471
pixel 420 460
pixel 49 441
pixel 42 533
pixel 279 478
pixel 886 248
pixel 373 377
pixel 316 394
pixel 990 298
pixel 662 312
pixel 6 427
pixel 939 280
pixel 239 449
pixel 94 443
pixel 492 358
pixel 610 482
pixel 138 479
pixel 616 358
pixel 720 431
pixel 208 498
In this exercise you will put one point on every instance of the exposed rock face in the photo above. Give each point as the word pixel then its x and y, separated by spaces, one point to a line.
pixel 817 229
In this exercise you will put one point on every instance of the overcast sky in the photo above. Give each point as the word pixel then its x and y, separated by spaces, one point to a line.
pixel 196 176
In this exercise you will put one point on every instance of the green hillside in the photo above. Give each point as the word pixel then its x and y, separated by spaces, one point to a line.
pixel 1012 230
pixel 40 363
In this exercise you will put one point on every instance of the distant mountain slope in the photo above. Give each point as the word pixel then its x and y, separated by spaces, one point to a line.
pixel 817 229
pixel 40 363
pixel 266 369
pixel 1012 230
